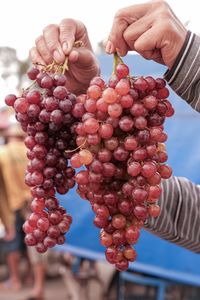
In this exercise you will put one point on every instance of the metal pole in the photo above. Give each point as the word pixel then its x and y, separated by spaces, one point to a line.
pixel 161 291
pixel 120 287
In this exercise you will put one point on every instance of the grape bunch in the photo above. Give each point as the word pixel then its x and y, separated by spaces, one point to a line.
pixel 45 114
pixel 121 140
pixel 115 133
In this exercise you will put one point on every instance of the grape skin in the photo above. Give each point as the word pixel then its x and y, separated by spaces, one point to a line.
pixel 116 132
pixel 127 159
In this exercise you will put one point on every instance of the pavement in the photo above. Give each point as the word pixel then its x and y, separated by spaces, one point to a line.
pixel 61 284
pixel 54 289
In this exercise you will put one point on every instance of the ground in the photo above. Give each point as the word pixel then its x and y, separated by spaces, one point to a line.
pixel 55 289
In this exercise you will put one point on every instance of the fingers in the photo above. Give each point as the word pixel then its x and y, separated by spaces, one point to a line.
pixel 35 57
pixel 67 35
pixel 148 41
pixel 83 57
pixel 58 41
pixel 42 50
pixel 116 40
pixel 135 30
pixel 122 20
pixel 110 47
pixel 51 36
pixel 84 66
pixel 71 31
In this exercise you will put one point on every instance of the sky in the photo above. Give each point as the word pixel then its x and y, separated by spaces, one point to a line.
pixel 21 21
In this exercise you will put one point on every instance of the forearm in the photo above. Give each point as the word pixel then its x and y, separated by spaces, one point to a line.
pixel 184 77
pixel 180 214
pixel 6 215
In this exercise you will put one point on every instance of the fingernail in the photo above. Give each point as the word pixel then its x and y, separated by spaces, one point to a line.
pixel 119 52
pixel 57 56
pixel 109 47
pixel 65 47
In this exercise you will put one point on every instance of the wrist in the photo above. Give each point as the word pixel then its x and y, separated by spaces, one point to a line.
pixel 179 58
pixel 178 46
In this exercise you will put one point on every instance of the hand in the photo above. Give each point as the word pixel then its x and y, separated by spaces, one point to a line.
pixel 57 42
pixel 151 29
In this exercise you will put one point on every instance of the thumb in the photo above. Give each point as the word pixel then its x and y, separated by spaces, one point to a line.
pixel 82 57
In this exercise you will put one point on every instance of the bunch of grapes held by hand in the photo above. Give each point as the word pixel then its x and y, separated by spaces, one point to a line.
pixel 115 133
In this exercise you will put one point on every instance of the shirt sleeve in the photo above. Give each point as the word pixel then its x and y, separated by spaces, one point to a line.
pixel 180 213
pixel 184 76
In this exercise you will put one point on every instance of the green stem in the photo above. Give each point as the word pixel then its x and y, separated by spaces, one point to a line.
pixel 116 62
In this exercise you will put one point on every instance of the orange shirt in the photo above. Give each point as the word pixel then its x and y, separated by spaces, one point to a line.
pixel 6 214
pixel 13 163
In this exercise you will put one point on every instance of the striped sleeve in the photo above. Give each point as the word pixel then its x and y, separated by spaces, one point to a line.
pixel 179 221
pixel 184 76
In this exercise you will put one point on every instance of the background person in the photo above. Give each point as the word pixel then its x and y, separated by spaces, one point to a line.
pixel 14 193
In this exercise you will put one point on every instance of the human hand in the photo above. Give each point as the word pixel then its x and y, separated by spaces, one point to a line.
pixel 57 42
pixel 151 29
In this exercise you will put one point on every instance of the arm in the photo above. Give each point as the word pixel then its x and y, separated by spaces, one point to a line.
pixel 180 213
pixel 184 76
pixel 6 215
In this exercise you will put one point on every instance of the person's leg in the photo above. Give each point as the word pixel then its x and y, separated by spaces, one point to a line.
pixel 13 259
pixel 39 278
pixel 38 262
pixel 12 251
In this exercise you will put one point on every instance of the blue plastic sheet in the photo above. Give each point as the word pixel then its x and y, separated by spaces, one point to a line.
pixel 155 256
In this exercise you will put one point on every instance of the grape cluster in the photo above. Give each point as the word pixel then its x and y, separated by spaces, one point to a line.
pixel 121 138
pixel 116 131
pixel 45 114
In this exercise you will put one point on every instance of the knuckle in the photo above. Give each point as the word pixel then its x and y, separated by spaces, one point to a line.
pixel 165 26
pixel 138 47
pixel 49 27
pixel 161 3
pixel 164 4
pixel 67 24
pixel 83 27
pixel 32 53
pixel 166 15
pixel 52 45
pixel 119 14
pixel 127 36
pixel 112 38
pixel 39 39
pixel 163 7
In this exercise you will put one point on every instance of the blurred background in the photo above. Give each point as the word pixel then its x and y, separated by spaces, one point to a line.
pixel 77 270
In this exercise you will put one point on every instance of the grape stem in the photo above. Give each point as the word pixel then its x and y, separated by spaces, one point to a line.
pixel 51 66
pixel 78 44
pixel 30 86
pixel 54 67
pixel 65 66
pixel 116 62
pixel 79 147
pixel 39 64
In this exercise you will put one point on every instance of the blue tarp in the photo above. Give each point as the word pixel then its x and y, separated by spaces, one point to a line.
pixel 155 256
